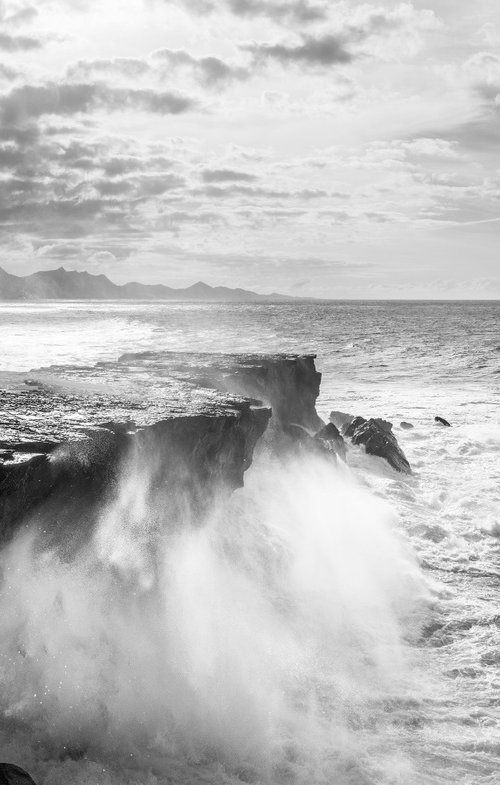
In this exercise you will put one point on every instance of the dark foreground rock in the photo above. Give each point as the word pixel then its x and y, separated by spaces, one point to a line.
pixel 13 775
pixel 378 439
pixel 186 424
pixel 332 440
pixel 442 421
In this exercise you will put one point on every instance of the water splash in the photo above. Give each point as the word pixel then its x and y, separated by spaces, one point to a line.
pixel 269 645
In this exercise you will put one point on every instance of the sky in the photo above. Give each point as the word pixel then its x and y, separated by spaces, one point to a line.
pixel 330 149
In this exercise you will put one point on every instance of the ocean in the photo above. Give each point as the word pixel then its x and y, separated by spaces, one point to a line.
pixel 336 626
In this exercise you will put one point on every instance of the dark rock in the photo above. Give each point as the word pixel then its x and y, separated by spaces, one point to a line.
pixel 332 439
pixel 340 419
pixel 191 431
pixel 13 775
pixel 406 426
pixel 377 437
pixel 290 385
pixel 349 429
pixel 442 421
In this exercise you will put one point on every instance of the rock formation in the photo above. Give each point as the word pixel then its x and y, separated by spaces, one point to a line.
pixel 332 440
pixel 442 421
pixel 378 439
pixel 65 444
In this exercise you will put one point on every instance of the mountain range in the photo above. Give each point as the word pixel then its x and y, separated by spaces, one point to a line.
pixel 62 284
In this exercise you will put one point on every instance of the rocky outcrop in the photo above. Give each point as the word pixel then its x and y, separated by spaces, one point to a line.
pixel 191 431
pixel 186 461
pixel 289 385
pixel 378 439
pixel 332 440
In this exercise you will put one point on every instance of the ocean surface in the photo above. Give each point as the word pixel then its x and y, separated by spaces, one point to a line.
pixel 336 627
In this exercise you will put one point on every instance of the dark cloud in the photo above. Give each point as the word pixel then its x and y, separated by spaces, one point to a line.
pixel 210 71
pixel 18 43
pixel 125 66
pixel 172 221
pixel 322 51
pixel 30 102
pixel 289 11
pixel 266 193
pixel 22 16
pixel 226 176
pixel 6 72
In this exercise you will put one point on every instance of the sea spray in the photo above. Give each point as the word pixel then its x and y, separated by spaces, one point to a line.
pixel 265 645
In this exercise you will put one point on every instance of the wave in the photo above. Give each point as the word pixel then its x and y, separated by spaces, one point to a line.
pixel 263 646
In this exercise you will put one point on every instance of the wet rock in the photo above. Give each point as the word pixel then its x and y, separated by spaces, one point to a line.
pixel 442 421
pixel 191 432
pixel 406 426
pixel 13 775
pixel 289 384
pixel 341 419
pixel 332 440
pixel 378 439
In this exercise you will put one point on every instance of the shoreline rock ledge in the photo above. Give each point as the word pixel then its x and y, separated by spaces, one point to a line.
pixel 186 424
pixel 378 439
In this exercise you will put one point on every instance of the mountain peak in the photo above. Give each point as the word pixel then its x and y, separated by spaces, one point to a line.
pixel 62 284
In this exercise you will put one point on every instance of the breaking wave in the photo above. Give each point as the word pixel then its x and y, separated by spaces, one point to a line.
pixel 268 645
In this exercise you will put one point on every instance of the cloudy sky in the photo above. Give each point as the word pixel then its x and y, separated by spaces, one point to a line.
pixel 313 147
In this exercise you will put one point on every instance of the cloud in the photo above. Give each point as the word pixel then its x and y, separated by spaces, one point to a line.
pixel 352 35
pixel 18 43
pixel 21 16
pixel 130 67
pixel 8 73
pixel 326 50
pixel 210 71
pixel 29 102
pixel 226 176
pixel 300 11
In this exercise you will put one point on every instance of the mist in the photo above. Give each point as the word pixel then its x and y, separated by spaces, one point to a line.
pixel 261 643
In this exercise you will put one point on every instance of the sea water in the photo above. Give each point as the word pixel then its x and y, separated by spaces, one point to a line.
pixel 325 625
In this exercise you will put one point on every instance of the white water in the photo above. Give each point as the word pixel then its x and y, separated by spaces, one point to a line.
pixel 262 647
pixel 322 628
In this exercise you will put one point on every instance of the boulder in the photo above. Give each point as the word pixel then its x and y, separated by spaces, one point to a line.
pixel 442 421
pixel 378 439
pixel 406 426
pixel 332 440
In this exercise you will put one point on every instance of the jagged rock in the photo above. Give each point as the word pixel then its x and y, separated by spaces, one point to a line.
pixel 442 421
pixel 13 775
pixel 290 385
pixel 406 426
pixel 64 447
pixel 341 420
pixel 331 438
pixel 377 438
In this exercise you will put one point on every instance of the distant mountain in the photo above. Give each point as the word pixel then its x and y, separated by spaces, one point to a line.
pixel 64 284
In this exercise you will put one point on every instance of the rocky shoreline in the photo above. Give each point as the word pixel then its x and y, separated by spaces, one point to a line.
pixel 69 434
